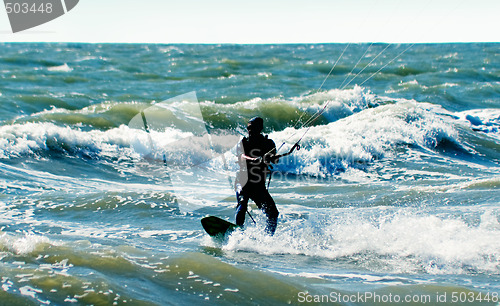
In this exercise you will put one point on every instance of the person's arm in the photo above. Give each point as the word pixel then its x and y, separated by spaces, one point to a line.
pixel 243 156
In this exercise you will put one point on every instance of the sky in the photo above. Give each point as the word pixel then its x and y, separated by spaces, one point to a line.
pixel 267 21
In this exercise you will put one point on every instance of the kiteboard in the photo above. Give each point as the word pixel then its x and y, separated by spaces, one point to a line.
pixel 217 227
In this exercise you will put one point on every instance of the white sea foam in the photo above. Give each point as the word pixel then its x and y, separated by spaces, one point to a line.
pixel 28 138
pixel 62 68
pixel 400 242
pixel 22 245
pixel 483 120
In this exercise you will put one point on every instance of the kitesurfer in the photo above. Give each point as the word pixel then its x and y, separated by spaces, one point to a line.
pixel 255 154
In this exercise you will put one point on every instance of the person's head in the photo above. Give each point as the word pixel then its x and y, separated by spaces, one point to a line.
pixel 255 126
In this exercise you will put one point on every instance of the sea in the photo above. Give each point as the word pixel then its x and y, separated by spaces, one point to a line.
pixel 111 154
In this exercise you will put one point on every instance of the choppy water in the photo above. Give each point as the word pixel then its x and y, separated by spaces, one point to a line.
pixel 394 191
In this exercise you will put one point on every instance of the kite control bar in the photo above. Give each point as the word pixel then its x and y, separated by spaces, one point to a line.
pixel 295 146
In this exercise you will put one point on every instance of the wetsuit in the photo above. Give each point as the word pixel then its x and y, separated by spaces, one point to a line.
pixel 251 181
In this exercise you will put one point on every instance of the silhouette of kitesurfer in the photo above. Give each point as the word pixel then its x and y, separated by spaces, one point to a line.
pixel 255 153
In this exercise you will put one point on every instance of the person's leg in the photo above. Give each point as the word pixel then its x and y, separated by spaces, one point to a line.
pixel 241 208
pixel 265 202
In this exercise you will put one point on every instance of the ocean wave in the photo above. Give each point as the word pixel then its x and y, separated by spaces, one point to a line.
pixel 100 116
pixel 36 138
pixel 22 245
pixel 355 134
pixel 67 129
pixel 400 242
pixel 279 112
pixel 39 271
pixel 486 121
pixel 366 136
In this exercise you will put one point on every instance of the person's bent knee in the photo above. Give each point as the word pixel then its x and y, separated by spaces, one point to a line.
pixel 273 214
